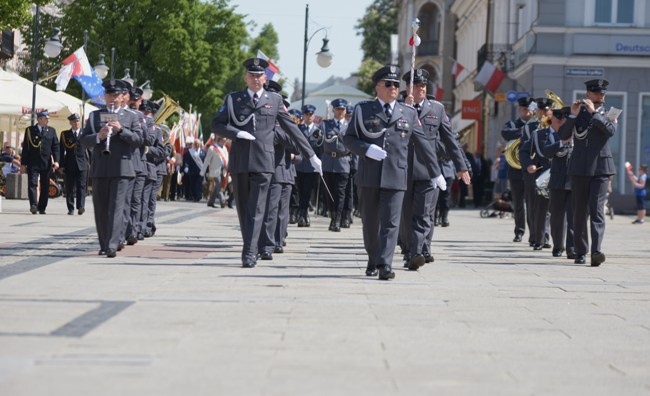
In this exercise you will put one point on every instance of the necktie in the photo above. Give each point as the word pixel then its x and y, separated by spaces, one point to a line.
pixel 387 110
pixel 255 99
pixel 338 125
pixel 418 108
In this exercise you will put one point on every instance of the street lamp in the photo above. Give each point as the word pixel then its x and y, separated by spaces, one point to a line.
pixel 324 57
pixel 147 91
pixel 100 68
pixel 52 50
pixel 127 76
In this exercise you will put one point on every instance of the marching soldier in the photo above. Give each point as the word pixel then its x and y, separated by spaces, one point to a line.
pixel 380 133
pixel 39 157
pixel 307 178
pixel 590 167
pixel 559 151
pixel 336 162
pixel 249 117
pixel 112 133
pixel 294 202
pixel 74 161
pixel 351 198
pixel 513 130
pixel 419 199
pixel 534 164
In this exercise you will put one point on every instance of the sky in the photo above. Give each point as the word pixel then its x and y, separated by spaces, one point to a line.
pixel 288 19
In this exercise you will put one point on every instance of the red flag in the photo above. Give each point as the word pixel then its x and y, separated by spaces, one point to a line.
pixel 490 77
pixel 456 69
pixel 438 93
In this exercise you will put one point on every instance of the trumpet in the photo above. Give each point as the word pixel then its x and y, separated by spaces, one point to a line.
pixel 107 148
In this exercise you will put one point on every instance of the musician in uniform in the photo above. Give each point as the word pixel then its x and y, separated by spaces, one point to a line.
pixel 39 157
pixel 513 131
pixel 351 198
pixel 336 162
pixel 307 179
pixel 112 134
pixel 74 164
pixel 534 164
pixel 249 118
pixel 590 167
pixel 559 151
pixel 380 133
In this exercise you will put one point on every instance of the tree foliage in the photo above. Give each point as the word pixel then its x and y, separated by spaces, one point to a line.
pixel 267 41
pixel 376 26
pixel 366 70
pixel 17 13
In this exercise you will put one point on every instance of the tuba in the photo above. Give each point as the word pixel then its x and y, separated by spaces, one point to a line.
pixel 512 153
pixel 166 110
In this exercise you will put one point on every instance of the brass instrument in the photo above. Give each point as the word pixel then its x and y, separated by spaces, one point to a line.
pixel 512 153
pixel 166 110
pixel 107 148
pixel 557 105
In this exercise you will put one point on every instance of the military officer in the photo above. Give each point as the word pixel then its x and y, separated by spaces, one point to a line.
pixel 294 202
pixel 559 151
pixel 40 156
pixel 380 132
pixel 74 164
pixel 534 164
pixel 513 130
pixel 336 162
pixel 306 177
pixel 351 198
pixel 419 199
pixel 249 118
pixel 590 167
pixel 112 134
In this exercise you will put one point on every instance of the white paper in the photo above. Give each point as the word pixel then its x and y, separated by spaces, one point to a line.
pixel 613 113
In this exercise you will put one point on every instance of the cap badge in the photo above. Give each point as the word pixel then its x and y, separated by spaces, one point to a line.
pixel 256 61
pixel 419 72
pixel 393 69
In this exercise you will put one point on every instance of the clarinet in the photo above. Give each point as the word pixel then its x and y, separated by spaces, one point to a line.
pixel 107 149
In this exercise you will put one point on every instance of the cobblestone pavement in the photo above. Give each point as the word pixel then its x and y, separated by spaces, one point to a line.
pixel 176 315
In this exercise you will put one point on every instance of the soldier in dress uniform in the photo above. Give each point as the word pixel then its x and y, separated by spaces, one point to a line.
pixel 559 151
pixel 513 130
pixel 420 193
pixel 249 118
pixel 74 164
pixel 336 162
pixel 112 134
pixel 306 178
pixel 294 202
pixel 380 133
pixel 39 157
pixel 534 164
pixel 351 197
pixel 591 165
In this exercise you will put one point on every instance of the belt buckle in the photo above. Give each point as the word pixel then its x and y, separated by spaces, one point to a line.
pixel 333 154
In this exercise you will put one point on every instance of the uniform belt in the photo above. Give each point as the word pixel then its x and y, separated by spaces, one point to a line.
pixel 335 154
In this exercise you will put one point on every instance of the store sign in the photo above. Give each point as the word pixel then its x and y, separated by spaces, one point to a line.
pixel 584 71
pixel 632 45
pixel 471 110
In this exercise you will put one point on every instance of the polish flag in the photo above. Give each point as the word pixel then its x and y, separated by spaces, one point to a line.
pixel 490 77
pixel 438 92
pixel 74 65
pixel 272 71
pixel 456 69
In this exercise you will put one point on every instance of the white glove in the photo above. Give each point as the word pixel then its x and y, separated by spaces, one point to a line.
pixel 375 152
pixel 316 163
pixel 187 170
pixel 440 182
pixel 245 135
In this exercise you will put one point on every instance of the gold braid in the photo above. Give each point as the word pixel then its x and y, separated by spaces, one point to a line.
pixel 66 144
pixel 31 142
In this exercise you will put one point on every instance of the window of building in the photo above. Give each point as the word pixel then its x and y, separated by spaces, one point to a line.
pixel 429 31
pixel 614 12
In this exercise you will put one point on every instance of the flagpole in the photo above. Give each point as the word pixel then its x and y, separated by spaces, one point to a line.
pixel 415 41
pixel 83 90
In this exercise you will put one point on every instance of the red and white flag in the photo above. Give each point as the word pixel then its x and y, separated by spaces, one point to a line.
pixel 490 77
pixel 74 65
pixel 456 69
pixel 438 92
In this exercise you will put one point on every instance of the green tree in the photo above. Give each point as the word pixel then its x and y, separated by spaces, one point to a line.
pixel 46 66
pixel 190 49
pixel 17 13
pixel 267 41
pixel 366 70
pixel 376 26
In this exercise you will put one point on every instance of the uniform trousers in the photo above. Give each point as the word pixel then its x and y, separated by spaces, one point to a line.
pixel 33 175
pixel 336 183
pixel 561 220
pixel 150 221
pixel 251 191
pixel 305 182
pixel 283 215
pixel 416 216
pixel 109 200
pixel 443 200
pixel 277 204
pixel 349 203
pixel 133 207
pixel 529 199
pixel 540 220
pixel 589 194
pixel 518 206
pixel 75 186
pixel 146 197
pixel 215 190
pixel 436 196
pixel 380 213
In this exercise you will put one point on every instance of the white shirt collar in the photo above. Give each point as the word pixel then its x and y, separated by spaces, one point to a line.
pixel 382 103
pixel 251 93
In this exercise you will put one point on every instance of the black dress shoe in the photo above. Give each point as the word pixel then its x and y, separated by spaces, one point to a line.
pixel 537 247
pixel 267 256
pixel 385 273
pixel 547 246
pixel 81 211
pixel 284 243
pixel 517 238
pixel 33 209
pixel 428 258
pixel 371 270
pixel 416 262
pixel 120 246
pixel 571 255
pixel 345 223
pixel 444 223
pixel 597 259
pixel 41 212
pixel 140 236
pixel 102 253
pixel 278 249
pixel 70 212
pixel 580 259
pixel 248 263
pixel 558 252
pixel 132 240
pixel 147 234
pixel 111 253
pixel 531 244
